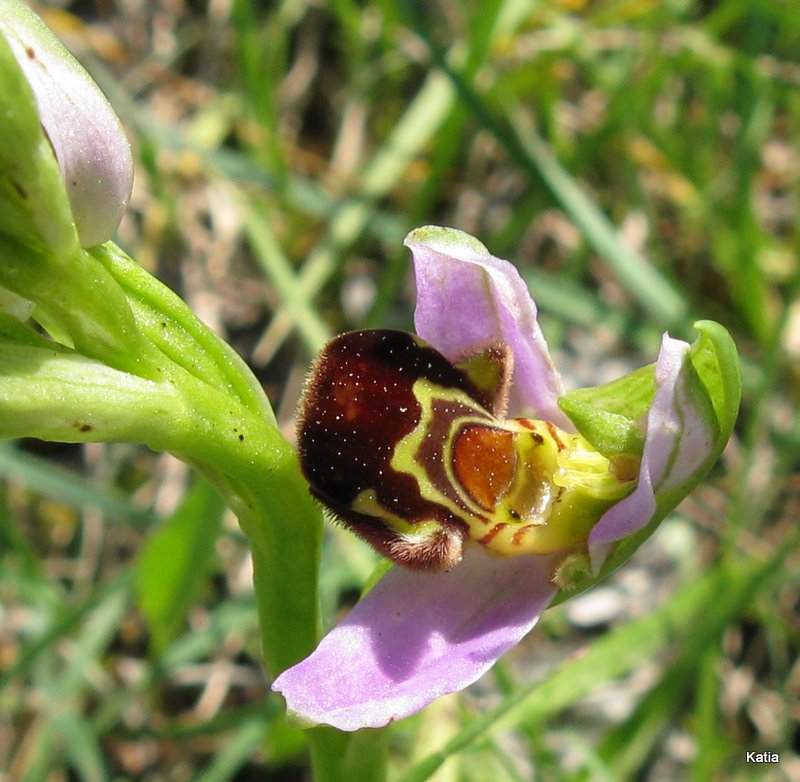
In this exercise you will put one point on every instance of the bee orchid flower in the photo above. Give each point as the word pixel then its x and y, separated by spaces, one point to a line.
pixel 457 454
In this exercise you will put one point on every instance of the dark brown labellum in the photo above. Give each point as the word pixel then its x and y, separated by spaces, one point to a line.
pixel 409 452
pixel 362 398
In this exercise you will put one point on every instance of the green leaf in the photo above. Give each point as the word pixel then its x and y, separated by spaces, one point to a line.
pixel 77 301
pixel 174 564
pixel 20 333
pixel 168 323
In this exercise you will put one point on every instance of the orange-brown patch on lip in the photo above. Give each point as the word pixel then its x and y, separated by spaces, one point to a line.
pixel 484 463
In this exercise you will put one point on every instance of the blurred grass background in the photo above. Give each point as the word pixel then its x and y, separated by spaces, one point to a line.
pixel 639 161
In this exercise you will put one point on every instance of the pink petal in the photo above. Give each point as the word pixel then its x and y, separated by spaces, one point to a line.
pixel 415 637
pixel 677 443
pixel 467 299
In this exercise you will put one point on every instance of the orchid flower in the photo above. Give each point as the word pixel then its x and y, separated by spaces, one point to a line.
pixel 458 455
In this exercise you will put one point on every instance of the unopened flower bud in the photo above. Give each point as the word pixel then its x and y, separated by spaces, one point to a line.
pixel 86 135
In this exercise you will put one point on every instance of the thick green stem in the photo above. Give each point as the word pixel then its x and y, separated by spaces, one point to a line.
pixel 284 531
pixel 285 534
pixel 344 757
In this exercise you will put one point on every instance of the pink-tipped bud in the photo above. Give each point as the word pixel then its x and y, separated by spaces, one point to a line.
pixel 86 135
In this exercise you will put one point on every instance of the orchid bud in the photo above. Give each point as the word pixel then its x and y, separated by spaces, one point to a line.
pixel 86 135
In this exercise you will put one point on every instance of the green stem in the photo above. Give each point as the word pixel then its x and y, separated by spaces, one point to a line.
pixel 284 531
pixel 257 471
pixel 343 757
